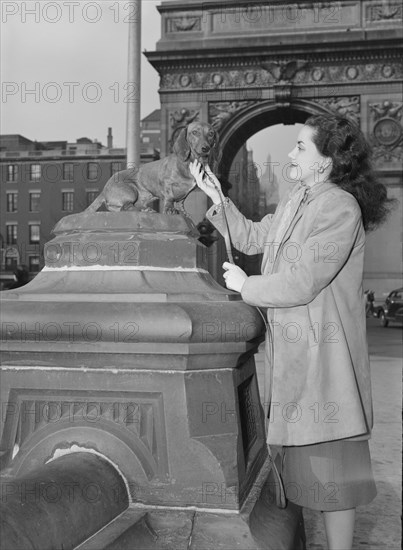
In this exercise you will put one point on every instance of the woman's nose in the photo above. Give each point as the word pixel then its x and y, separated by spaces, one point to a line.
pixel 290 154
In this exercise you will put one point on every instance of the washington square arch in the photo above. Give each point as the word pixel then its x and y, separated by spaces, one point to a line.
pixel 244 66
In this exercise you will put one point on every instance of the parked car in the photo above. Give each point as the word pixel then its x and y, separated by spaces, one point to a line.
pixel 392 308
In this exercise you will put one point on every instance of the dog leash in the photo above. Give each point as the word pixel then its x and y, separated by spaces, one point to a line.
pixel 227 237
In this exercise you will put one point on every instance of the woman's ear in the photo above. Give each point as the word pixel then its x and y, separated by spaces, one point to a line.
pixel 181 146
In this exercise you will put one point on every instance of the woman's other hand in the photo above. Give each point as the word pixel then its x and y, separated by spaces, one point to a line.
pixel 205 183
pixel 234 276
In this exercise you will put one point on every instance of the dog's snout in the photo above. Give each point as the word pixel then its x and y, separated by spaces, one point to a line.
pixel 205 148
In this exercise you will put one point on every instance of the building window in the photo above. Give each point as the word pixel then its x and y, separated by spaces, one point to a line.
pixel 11 233
pixel 115 167
pixel 91 196
pixel 34 233
pixel 12 199
pixel 12 172
pixel 34 200
pixel 92 171
pixel 35 172
pixel 68 171
pixel 33 263
pixel 68 201
pixel 11 264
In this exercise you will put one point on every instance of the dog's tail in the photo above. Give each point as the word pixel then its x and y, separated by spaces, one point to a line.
pixel 97 203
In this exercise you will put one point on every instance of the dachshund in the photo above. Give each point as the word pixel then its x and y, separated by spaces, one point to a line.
pixel 168 179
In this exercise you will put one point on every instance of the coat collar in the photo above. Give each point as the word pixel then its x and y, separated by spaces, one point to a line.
pixel 312 193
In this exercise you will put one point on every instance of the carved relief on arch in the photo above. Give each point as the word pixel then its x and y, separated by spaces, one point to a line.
pixel 220 112
pixel 347 106
pixel 386 131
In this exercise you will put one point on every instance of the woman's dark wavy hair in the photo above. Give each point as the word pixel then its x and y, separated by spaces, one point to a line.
pixel 342 140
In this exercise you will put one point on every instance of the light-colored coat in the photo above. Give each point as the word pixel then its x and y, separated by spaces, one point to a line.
pixel 317 377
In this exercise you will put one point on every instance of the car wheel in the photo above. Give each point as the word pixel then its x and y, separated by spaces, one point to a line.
pixel 384 321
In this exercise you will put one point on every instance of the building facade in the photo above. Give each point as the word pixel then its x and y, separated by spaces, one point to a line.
pixel 43 181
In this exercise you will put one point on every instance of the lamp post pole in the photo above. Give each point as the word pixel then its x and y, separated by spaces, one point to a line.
pixel 134 86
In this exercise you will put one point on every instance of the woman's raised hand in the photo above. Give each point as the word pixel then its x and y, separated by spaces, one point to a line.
pixel 205 183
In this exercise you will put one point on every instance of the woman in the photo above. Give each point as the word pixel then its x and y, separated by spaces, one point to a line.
pixel 317 381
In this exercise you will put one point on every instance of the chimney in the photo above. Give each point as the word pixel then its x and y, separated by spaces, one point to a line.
pixel 110 138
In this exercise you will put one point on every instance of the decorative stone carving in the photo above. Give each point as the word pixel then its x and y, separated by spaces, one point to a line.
pixel 183 117
pixel 317 74
pixel 284 71
pixel 384 11
pixel 250 77
pixel 184 80
pixel 387 71
pixel 348 106
pixel 351 73
pixel 222 111
pixel 183 24
pixel 387 131
pixel 134 418
pixel 326 72
pixel 216 79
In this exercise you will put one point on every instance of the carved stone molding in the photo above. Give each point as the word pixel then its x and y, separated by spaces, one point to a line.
pixel 348 106
pixel 386 130
pixel 268 73
pixel 219 113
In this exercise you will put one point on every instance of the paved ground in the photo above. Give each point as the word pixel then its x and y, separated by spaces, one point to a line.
pixel 378 525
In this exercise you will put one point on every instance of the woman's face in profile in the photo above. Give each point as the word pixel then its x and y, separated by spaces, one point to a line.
pixel 306 159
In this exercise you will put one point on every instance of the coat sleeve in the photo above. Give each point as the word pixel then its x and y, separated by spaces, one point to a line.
pixel 246 236
pixel 317 261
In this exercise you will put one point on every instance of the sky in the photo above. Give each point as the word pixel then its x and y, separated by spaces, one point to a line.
pixel 64 73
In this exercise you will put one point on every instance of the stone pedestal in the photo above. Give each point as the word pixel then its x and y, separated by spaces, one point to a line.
pixel 124 346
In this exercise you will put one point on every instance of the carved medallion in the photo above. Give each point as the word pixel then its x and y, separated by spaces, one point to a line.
pixel 184 80
pixel 217 79
pixel 387 131
pixel 250 77
pixel 387 71
pixel 317 74
pixel 351 73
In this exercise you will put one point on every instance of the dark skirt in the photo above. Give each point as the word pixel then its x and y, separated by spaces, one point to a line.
pixel 330 476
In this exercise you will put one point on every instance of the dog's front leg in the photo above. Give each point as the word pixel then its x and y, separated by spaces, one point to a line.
pixel 168 207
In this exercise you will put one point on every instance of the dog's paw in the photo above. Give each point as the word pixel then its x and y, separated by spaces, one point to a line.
pixel 171 211
pixel 148 209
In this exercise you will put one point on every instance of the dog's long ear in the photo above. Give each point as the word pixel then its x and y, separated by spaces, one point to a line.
pixel 215 154
pixel 181 146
